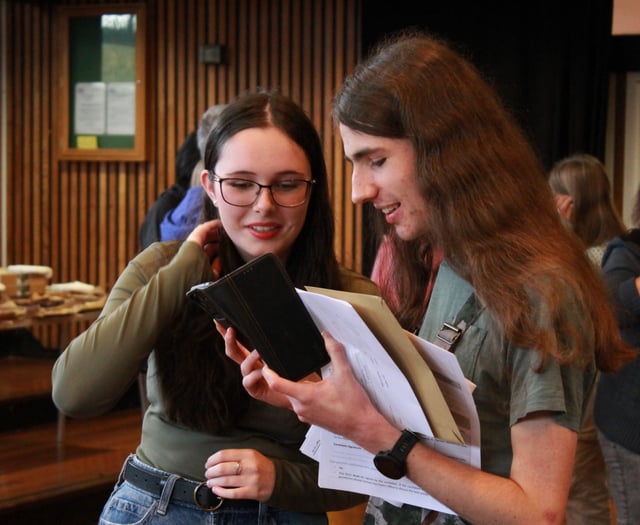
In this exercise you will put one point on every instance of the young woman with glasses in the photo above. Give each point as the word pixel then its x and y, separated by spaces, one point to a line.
pixel 266 190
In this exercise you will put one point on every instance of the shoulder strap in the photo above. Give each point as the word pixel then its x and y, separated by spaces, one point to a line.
pixel 450 333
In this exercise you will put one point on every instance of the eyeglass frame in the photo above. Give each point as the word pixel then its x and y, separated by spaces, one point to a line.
pixel 220 180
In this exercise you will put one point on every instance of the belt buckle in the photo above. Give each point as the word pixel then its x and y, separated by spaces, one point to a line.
pixel 200 505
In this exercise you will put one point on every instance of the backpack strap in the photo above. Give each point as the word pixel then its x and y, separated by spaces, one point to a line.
pixel 450 333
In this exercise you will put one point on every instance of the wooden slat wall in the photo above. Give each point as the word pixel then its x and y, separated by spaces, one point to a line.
pixel 82 218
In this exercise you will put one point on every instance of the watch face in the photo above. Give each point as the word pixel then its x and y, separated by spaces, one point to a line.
pixel 389 466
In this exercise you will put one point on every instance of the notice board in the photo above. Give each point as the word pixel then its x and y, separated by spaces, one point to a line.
pixel 101 82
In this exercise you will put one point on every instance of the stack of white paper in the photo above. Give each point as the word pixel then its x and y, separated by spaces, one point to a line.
pixel 346 466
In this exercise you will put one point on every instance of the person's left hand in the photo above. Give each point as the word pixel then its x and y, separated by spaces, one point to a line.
pixel 242 473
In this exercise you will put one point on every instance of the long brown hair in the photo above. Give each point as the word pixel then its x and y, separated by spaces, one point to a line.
pixel 491 210
pixel 584 178
pixel 201 387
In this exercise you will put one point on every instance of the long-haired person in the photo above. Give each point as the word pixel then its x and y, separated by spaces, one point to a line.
pixel 438 156
pixel 266 185
pixel 582 191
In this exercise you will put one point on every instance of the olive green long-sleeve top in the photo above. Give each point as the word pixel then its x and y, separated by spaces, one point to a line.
pixel 100 364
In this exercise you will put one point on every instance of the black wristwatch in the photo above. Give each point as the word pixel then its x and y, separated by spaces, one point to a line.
pixel 393 463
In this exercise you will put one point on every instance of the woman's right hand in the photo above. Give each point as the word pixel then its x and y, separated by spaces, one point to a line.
pixel 207 236
pixel 251 366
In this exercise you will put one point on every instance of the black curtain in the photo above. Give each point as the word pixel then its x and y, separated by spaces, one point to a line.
pixel 548 60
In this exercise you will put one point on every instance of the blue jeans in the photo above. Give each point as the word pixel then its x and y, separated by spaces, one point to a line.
pixel 623 470
pixel 130 505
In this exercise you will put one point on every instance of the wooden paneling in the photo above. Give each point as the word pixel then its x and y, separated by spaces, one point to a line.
pixel 82 217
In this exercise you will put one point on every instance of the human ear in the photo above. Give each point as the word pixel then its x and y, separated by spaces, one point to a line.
pixel 209 187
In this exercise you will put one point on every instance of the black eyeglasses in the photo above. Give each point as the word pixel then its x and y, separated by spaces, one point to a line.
pixel 288 193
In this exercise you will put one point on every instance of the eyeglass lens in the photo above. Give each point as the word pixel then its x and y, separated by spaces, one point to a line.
pixel 287 193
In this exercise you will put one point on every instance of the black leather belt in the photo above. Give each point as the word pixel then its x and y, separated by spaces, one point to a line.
pixel 184 490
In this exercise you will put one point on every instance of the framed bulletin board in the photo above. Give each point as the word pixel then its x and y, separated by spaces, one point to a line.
pixel 101 82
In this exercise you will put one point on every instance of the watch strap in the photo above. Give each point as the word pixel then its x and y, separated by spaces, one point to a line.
pixel 393 463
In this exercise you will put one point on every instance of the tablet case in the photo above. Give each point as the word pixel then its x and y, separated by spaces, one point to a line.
pixel 261 303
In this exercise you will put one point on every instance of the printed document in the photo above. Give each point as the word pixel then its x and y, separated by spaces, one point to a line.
pixel 346 466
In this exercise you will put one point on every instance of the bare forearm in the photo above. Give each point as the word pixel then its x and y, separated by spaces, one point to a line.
pixel 536 491
pixel 475 495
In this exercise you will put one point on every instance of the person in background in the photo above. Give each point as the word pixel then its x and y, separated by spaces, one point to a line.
pixel 178 222
pixel 176 211
pixel 207 121
pixel 617 403
pixel 436 153
pixel 267 190
pixel 583 196
pixel 186 160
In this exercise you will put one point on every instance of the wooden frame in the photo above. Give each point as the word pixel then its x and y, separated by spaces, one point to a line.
pixel 121 134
